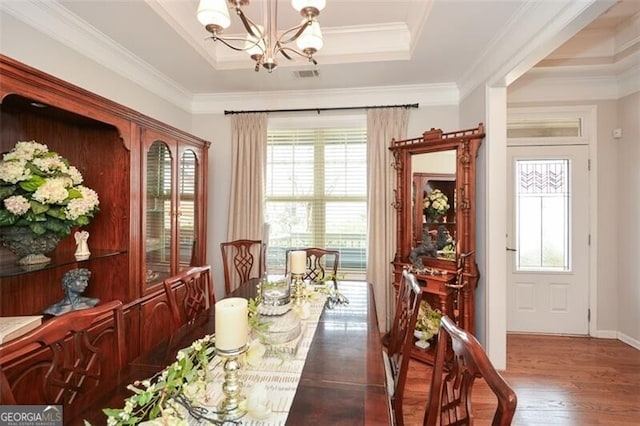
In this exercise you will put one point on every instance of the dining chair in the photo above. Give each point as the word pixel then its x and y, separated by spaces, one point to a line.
pixel 242 260
pixel 401 341
pixel 459 360
pixel 321 263
pixel 197 293
pixel 67 360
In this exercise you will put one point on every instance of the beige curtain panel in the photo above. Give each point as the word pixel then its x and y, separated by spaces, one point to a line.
pixel 249 158
pixel 383 125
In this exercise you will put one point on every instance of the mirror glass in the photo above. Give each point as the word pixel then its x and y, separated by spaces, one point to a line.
pixel 433 215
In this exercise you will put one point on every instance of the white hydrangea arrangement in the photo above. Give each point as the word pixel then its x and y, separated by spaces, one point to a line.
pixel 39 189
pixel 428 322
pixel 436 204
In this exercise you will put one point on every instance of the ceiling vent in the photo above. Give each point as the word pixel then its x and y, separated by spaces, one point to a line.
pixel 306 74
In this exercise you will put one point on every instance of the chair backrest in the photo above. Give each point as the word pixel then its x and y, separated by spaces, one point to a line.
pixel 460 359
pixel 321 263
pixel 401 339
pixel 242 260
pixel 68 360
pixel 198 293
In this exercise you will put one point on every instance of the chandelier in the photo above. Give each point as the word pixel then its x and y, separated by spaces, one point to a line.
pixel 262 42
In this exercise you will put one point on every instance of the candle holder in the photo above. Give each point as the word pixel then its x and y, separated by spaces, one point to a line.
pixel 274 297
pixel 230 405
pixel 298 291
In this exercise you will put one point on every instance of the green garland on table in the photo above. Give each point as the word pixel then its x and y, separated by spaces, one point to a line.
pixel 169 395
pixel 255 320
pixel 334 296
pixel 156 397
pixel 177 392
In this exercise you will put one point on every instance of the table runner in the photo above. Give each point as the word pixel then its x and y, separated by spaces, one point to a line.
pixel 279 372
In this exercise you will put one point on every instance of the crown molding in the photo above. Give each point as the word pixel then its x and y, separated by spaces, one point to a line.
pixel 629 82
pixel 425 95
pixel 576 88
pixel 417 20
pixel 56 22
pixel 580 80
pixel 521 45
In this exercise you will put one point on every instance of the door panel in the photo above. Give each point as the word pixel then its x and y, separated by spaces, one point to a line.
pixel 548 261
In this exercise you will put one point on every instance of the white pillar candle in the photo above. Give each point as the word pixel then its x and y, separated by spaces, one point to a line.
pixel 298 262
pixel 232 323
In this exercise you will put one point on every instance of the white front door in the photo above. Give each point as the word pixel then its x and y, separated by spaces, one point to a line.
pixel 548 201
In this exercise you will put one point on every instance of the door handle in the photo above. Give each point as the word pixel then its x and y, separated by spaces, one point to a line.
pixel 511 249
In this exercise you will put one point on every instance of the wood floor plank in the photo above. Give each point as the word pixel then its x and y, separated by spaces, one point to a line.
pixel 559 380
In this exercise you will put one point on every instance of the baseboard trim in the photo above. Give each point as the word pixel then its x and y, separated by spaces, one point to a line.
pixel 629 340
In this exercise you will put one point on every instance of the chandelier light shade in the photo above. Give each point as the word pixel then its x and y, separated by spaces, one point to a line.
pixel 214 13
pixel 299 5
pixel 310 41
pixel 262 41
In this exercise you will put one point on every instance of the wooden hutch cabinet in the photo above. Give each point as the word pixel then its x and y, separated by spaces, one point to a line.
pixel 444 244
pixel 151 181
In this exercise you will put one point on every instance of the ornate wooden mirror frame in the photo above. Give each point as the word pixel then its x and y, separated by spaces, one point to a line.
pixel 452 279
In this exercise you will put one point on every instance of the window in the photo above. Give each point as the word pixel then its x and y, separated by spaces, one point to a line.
pixel 542 203
pixel 316 194
pixel 544 128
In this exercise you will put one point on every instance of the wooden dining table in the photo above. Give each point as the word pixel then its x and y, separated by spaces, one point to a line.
pixel 343 379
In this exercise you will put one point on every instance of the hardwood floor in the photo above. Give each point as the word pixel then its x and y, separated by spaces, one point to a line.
pixel 573 381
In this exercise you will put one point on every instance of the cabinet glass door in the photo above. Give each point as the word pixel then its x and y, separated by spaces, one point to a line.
pixel 187 209
pixel 158 213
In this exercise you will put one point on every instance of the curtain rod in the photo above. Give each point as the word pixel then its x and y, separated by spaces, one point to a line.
pixel 322 109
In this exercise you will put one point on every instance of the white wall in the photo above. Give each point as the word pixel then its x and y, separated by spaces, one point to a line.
pixel 628 217
pixel 427 117
pixel 217 129
pixel 489 106
pixel 608 229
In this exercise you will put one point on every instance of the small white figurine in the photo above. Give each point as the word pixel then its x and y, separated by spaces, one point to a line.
pixel 82 249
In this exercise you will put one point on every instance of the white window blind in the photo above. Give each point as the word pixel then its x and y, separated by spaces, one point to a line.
pixel 187 210
pixel 316 194
pixel 158 213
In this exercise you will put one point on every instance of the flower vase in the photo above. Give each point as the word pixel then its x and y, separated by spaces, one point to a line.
pixel 431 218
pixel 29 247
pixel 424 338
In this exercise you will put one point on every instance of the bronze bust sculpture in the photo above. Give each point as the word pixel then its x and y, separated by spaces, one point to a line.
pixel 74 283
